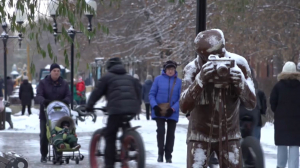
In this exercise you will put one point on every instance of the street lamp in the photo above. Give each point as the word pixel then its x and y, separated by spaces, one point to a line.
pixel 200 16
pixel 4 36
pixel 52 8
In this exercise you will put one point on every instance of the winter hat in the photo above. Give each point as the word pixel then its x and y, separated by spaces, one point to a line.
pixel 289 67
pixel 169 64
pixel 79 79
pixel 53 66
pixel 136 76
pixel 25 78
pixel 149 77
pixel 112 62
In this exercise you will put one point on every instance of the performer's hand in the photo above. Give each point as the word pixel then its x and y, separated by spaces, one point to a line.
pixel 237 77
pixel 206 73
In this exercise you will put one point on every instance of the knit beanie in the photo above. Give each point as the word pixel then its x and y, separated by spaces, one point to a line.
pixel 289 67
pixel 169 64
pixel 53 66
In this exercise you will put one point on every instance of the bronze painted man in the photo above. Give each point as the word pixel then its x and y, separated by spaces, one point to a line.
pixel 213 100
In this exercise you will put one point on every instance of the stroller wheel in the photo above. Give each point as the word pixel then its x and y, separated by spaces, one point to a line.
pixel 77 160
pixel 81 157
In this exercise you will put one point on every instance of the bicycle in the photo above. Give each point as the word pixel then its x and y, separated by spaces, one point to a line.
pixel 130 145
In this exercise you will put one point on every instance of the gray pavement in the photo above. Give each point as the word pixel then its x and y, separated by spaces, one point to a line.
pixel 27 144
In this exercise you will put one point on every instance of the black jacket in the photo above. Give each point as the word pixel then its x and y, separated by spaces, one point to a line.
pixel 285 103
pixel 122 92
pixel 52 90
pixel 26 93
pixel 1 87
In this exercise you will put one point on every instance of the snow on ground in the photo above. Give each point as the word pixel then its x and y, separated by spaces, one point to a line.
pixel 30 124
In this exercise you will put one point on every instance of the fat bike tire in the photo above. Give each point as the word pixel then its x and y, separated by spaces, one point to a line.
pixel 252 149
pixel 94 146
pixel 135 138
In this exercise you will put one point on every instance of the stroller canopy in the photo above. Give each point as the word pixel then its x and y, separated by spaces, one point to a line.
pixel 57 110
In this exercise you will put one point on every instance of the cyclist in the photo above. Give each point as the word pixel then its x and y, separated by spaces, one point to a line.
pixel 123 99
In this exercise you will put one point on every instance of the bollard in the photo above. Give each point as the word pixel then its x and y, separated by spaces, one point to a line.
pixel 12 160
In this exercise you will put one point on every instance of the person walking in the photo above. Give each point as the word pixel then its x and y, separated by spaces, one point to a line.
pixel 80 91
pixel 164 99
pixel 52 87
pixel 285 103
pixel 145 95
pixel 26 95
pixel 139 87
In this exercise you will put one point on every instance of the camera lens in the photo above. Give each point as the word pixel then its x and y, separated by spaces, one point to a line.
pixel 222 70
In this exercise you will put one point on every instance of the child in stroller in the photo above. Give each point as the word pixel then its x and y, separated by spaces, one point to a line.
pixel 63 133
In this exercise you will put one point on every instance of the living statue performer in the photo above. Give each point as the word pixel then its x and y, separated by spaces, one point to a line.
pixel 213 86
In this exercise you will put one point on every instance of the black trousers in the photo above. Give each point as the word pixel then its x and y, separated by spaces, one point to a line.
pixel 148 108
pixel 114 122
pixel 167 147
pixel 43 138
pixel 24 107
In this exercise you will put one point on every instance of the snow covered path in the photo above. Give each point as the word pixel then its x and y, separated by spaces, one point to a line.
pixel 25 138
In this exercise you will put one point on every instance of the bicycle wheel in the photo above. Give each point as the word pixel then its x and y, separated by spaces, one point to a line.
pixel 96 155
pixel 252 153
pixel 133 150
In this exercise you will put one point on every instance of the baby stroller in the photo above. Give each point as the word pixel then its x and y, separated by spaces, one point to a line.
pixel 54 112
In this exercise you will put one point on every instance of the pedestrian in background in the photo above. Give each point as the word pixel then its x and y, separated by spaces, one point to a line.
pixel 285 103
pixel 164 99
pixel 26 95
pixel 145 95
pixel 139 87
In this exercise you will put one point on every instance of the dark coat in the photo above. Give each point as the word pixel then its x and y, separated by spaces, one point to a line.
pixel 1 87
pixel 10 86
pixel 146 89
pixel 285 103
pixel 26 93
pixel 52 90
pixel 121 91
pixel 259 110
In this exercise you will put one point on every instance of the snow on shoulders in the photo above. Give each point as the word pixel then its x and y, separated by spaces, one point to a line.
pixel 189 69
pixel 239 59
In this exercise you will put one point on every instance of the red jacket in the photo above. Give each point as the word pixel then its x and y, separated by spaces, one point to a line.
pixel 80 86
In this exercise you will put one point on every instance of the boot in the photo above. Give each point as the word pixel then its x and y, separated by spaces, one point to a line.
pixel 160 158
pixel 44 159
pixel 76 146
pixel 168 160
pixel 62 146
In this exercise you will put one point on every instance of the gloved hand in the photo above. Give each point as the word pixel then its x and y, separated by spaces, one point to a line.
pixel 89 109
pixel 157 111
pixel 170 111
pixel 65 101
pixel 46 102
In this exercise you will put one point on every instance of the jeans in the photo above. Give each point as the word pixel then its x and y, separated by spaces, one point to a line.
pixel 291 156
pixel 256 132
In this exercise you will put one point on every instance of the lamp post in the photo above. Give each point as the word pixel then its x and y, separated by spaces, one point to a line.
pixel 20 17
pixel 53 5
pixel 200 16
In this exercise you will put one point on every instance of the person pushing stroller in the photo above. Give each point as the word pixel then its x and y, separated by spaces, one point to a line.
pixel 64 132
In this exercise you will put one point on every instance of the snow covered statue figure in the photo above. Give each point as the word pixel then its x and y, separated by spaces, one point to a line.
pixel 212 90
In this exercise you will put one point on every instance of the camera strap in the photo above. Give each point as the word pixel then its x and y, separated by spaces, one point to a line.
pixel 174 83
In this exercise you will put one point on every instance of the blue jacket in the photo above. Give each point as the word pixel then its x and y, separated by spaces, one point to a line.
pixel 160 92
pixel 146 89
